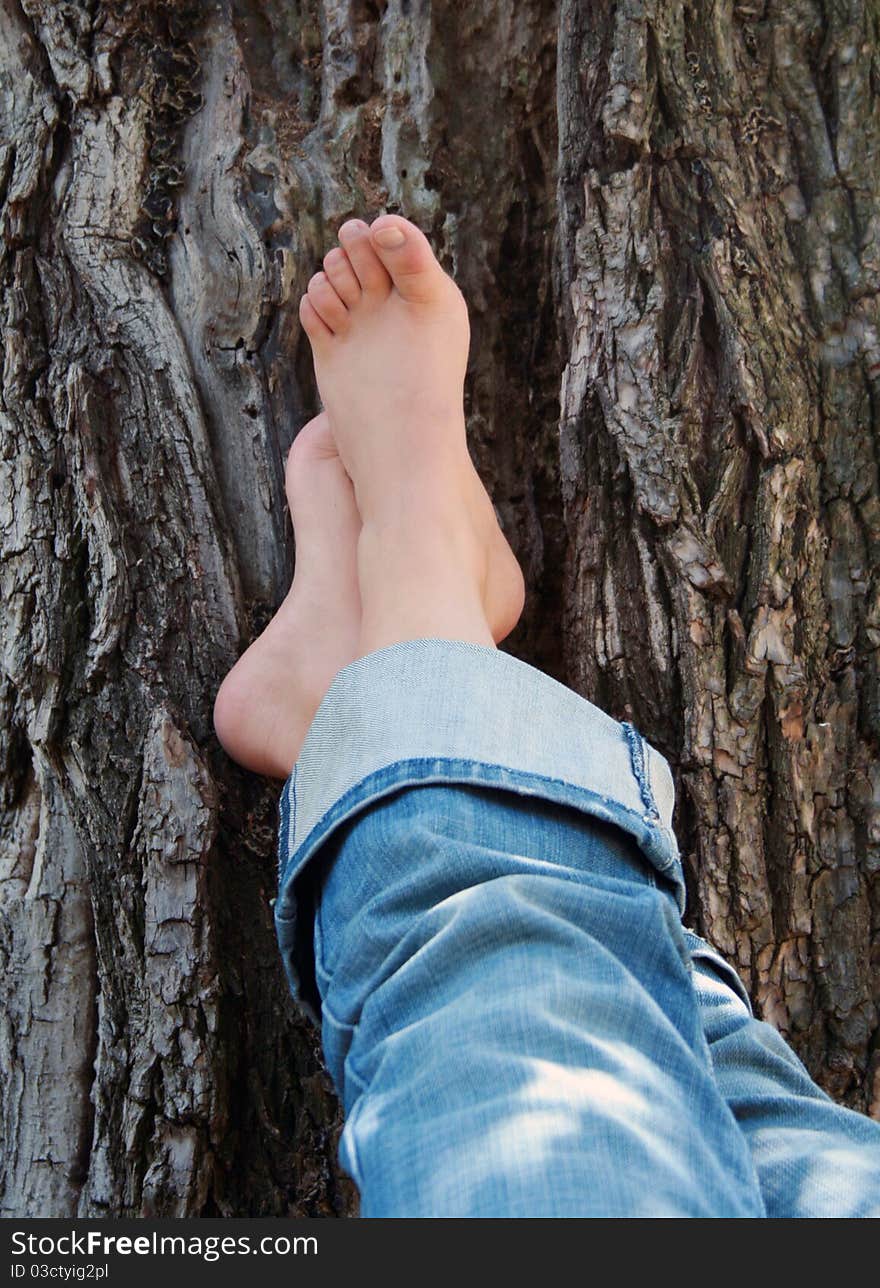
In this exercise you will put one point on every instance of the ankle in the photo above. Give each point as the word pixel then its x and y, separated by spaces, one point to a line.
pixel 415 478
pixel 422 575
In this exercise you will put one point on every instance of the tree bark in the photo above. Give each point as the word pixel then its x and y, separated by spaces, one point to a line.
pixel 665 219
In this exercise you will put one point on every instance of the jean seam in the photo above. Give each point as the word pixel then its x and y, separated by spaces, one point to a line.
pixel 321 972
pixel 326 1009
pixel 729 975
pixel 351 1072
pixel 283 830
pixel 639 751
pixel 286 823
pixel 351 1144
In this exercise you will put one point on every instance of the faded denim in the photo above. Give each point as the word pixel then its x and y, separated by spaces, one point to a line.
pixel 480 901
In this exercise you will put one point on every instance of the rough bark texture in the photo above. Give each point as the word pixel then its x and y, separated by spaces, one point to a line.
pixel 666 221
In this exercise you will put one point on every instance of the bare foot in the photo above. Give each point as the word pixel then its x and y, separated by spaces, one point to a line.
pixel 389 335
pixel 267 701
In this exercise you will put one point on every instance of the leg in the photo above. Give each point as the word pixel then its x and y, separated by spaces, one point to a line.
pixel 813 1157
pixel 389 334
pixel 425 536
pixel 508 1014
pixel 512 984
pixel 453 999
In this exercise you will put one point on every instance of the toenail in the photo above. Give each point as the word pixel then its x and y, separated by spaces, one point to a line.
pixel 352 226
pixel 390 238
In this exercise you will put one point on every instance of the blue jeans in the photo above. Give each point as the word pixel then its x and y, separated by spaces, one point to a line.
pixel 480 900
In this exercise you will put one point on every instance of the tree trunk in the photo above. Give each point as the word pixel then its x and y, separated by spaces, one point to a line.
pixel 665 219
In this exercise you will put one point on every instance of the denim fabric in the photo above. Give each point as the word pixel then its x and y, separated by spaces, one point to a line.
pixel 813 1158
pixel 480 903
pixel 445 711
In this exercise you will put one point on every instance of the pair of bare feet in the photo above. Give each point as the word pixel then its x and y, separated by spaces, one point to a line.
pixel 396 537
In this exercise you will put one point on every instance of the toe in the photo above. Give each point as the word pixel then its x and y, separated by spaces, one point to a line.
pixel 315 328
pixel 319 492
pixel 338 268
pixel 314 441
pixel 406 253
pixel 327 304
pixel 355 238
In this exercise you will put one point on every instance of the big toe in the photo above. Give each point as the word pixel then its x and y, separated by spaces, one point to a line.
pixel 319 492
pixel 314 441
pixel 407 255
pixel 354 236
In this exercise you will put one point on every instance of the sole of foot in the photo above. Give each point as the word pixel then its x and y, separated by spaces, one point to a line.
pixel 267 701
pixel 389 335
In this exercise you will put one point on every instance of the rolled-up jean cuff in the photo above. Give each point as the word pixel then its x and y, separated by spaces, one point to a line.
pixel 446 711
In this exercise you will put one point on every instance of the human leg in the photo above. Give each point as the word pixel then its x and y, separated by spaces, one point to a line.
pixel 813 1158
pixel 485 917
pixel 430 563
pixel 390 348
pixel 556 1004
pixel 405 511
